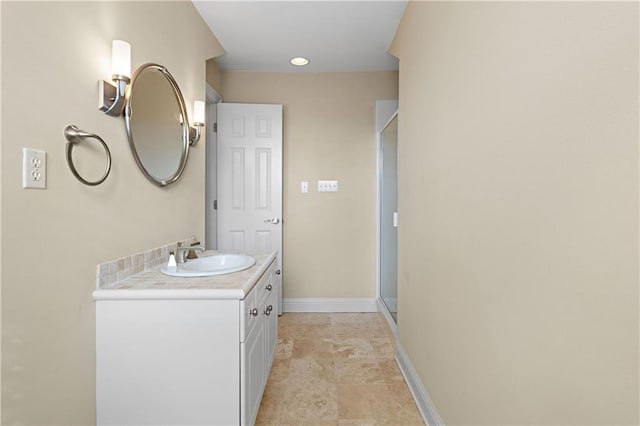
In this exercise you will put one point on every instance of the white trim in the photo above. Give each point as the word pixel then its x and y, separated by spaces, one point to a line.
pixel 213 96
pixel 211 138
pixel 427 410
pixel 385 110
pixel 322 304
pixel 392 304
pixel 387 315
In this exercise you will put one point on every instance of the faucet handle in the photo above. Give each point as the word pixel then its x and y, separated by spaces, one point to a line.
pixel 192 252
pixel 180 253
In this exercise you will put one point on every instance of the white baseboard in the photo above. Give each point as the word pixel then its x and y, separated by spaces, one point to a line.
pixel 391 303
pixel 421 397
pixel 329 305
pixel 387 315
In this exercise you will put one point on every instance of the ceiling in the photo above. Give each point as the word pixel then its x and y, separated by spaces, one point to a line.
pixel 334 35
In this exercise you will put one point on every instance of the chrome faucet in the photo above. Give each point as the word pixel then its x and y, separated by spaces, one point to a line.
pixel 180 253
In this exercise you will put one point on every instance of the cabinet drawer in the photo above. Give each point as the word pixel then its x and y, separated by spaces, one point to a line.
pixel 253 306
pixel 267 284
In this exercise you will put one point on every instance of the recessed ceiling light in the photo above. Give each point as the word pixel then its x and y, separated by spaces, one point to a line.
pixel 299 61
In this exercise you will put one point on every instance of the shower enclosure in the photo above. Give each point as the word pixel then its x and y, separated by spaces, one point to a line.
pixel 387 126
pixel 389 219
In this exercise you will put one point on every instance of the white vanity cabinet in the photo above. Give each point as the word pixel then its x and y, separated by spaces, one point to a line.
pixel 184 356
pixel 258 347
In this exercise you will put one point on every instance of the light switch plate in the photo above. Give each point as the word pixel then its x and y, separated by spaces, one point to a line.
pixel 34 168
pixel 304 187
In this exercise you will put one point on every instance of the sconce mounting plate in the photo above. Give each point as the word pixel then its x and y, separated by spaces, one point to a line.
pixel 106 95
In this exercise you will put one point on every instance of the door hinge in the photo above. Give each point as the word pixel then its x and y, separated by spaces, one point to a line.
pixel 215 204
pixel 215 127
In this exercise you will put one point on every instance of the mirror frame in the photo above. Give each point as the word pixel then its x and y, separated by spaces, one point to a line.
pixel 185 128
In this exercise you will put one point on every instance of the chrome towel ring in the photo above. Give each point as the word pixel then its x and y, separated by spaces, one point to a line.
pixel 74 135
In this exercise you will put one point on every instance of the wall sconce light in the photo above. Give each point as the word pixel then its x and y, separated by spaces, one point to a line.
pixel 111 97
pixel 198 122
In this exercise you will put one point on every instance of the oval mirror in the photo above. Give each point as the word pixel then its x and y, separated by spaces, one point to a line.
pixel 157 124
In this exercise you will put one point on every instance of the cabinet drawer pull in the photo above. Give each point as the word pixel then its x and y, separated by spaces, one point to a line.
pixel 278 272
pixel 267 311
pixel 254 312
pixel 269 287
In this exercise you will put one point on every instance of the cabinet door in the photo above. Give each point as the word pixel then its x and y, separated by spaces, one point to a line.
pixel 252 374
pixel 167 362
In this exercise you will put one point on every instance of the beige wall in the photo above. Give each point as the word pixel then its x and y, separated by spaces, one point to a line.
pixel 214 76
pixel 0 224
pixel 329 134
pixel 518 268
pixel 53 55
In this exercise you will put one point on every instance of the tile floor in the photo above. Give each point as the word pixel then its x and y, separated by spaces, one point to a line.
pixel 336 369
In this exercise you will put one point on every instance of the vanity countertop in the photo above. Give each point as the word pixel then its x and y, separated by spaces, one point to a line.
pixel 153 284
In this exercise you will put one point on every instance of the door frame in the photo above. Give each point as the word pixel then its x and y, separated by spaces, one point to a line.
pixel 211 169
pixel 386 110
pixel 280 257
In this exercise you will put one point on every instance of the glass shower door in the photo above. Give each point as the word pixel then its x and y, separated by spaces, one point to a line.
pixel 388 219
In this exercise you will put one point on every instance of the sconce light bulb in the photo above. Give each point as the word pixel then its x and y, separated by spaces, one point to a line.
pixel 198 112
pixel 121 58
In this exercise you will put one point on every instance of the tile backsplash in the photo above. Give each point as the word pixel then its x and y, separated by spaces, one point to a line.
pixel 116 270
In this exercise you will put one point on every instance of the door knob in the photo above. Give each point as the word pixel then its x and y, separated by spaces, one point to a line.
pixel 275 220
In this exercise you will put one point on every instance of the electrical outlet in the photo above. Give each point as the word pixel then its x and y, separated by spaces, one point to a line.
pixel 327 186
pixel 34 168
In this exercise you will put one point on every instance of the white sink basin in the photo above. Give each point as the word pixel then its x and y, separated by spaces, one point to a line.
pixel 208 266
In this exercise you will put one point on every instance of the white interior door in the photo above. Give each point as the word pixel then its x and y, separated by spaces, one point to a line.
pixel 211 190
pixel 250 177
